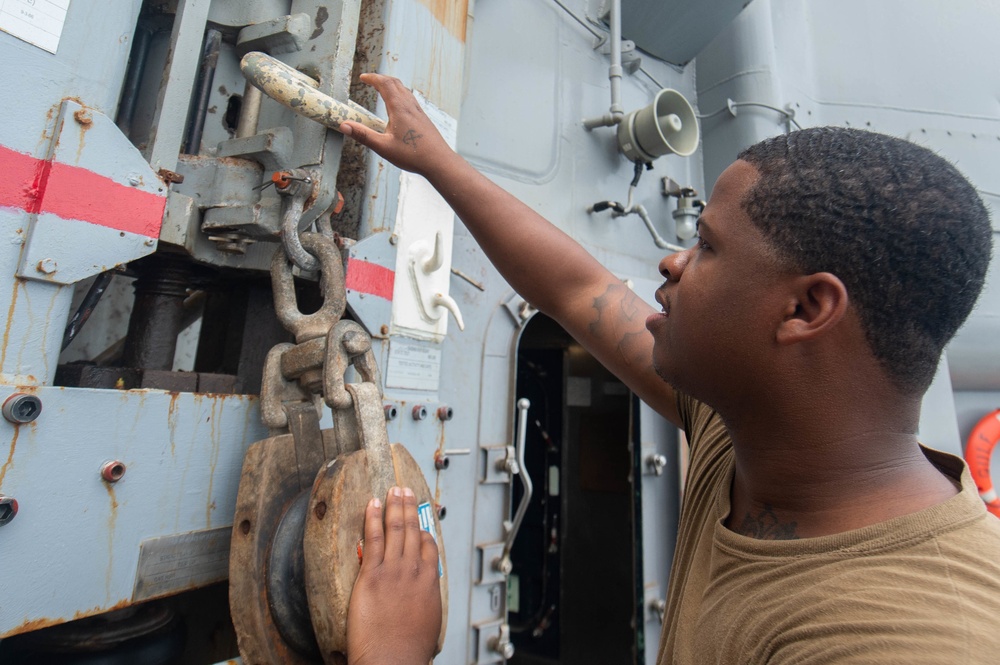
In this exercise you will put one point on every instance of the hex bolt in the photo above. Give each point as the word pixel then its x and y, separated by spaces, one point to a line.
pixel 441 461
pixel 21 408
pixel 47 266
pixel 391 412
pixel 8 509
pixel 112 471
pixel 445 413
pixel 419 412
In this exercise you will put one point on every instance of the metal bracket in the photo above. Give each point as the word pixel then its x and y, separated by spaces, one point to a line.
pixel 487 573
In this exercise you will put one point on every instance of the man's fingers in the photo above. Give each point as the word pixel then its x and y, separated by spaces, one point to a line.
pixel 362 134
pixel 412 523
pixel 374 546
pixel 428 549
pixel 394 524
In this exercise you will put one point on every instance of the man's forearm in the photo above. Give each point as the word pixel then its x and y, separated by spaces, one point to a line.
pixel 533 255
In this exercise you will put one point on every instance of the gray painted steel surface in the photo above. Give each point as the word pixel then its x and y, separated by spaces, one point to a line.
pixel 517 78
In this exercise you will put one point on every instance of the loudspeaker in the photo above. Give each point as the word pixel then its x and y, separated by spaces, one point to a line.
pixel 667 125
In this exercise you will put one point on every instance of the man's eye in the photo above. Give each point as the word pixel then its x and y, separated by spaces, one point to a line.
pixel 702 244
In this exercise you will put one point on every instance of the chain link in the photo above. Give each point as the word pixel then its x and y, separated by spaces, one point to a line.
pixel 300 377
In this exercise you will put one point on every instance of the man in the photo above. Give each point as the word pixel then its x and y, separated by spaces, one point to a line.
pixel 794 344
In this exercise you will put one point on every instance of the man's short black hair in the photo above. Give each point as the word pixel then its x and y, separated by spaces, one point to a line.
pixel 904 231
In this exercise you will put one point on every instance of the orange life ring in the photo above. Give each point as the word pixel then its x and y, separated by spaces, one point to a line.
pixel 978 449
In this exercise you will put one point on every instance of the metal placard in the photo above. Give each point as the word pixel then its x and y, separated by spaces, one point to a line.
pixel 185 561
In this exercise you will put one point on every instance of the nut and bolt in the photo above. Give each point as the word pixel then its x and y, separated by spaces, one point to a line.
pixel 8 509
pixel 112 471
pixel 391 412
pixel 441 461
pixel 21 408
pixel 445 413
pixel 419 412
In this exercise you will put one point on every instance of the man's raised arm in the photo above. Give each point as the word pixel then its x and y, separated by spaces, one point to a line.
pixel 544 265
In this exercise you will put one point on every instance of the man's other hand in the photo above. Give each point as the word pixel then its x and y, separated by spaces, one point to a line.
pixel 395 613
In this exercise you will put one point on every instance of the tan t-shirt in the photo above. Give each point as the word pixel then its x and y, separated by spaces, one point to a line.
pixel 922 588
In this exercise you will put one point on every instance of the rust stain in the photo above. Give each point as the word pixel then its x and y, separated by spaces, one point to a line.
pixel 10 456
pixel 452 14
pixel 214 435
pixel 45 622
pixel 112 519
pixel 10 321
pixel 172 416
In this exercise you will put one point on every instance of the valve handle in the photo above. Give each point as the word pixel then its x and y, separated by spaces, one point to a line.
pixel 503 563
pixel 300 93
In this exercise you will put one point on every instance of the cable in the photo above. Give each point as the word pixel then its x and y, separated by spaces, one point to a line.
pixel 86 307
pixel 730 105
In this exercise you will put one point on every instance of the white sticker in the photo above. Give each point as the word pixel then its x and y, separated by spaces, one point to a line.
pixel 427 524
pixel 413 366
pixel 38 22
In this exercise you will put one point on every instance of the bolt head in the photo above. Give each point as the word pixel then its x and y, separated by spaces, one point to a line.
pixel 47 266
pixel 8 509
pixel 391 412
pixel 419 412
pixel 445 413
pixel 21 408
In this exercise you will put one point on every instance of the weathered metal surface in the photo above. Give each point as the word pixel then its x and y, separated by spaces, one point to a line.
pixel 76 540
pixel 348 345
pixel 334 525
pixel 173 563
pixel 93 201
pixel 316 324
pixel 299 93
pixel 179 75
pixel 268 485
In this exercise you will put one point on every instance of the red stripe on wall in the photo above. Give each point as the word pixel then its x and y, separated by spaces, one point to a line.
pixel 371 278
pixel 18 180
pixel 72 192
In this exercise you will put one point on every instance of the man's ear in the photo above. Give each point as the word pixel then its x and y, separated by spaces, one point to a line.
pixel 817 304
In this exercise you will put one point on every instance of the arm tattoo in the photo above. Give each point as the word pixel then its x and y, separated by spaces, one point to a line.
pixel 621 320
pixel 410 138
pixel 767 526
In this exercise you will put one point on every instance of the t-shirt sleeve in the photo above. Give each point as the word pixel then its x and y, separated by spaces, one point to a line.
pixel 699 421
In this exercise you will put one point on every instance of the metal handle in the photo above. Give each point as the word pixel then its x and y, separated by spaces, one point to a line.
pixel 503 564
pixel 299 92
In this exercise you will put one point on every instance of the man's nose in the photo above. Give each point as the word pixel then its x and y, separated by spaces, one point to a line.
pixel 672 265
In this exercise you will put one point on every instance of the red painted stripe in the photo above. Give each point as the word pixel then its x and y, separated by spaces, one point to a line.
pixel 371 278
pixel 18 187
pixel 72 192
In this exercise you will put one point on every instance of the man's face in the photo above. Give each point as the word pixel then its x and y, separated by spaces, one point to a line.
pixel 721 301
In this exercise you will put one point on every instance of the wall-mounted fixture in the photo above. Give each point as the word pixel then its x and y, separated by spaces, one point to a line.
pixel 668 125
pixel 689 208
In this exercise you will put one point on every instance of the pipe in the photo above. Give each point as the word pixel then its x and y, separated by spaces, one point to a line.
pixel 249 111
pixel 209 60
pixel 130 90
pixel 616 113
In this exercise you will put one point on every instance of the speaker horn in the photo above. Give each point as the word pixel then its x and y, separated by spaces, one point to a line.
pixel 668 125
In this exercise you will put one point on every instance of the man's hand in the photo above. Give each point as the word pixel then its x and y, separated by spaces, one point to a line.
pixel 395 613
pixel 411 141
